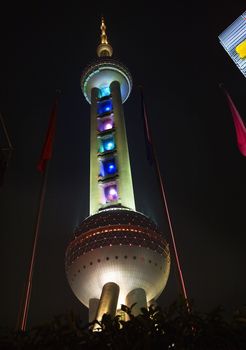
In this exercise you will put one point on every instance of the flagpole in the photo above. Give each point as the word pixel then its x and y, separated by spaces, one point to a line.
pixel 164 199
pixel 28 288
pixel 43 168
pixel 165 203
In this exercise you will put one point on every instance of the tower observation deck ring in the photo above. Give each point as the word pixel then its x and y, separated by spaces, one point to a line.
pixel 102 73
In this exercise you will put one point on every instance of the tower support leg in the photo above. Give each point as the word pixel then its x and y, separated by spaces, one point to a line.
pixel 108 300
pixel 93 306
pixel 137 296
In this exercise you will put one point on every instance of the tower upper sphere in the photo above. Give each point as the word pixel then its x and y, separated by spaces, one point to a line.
pixel 101 73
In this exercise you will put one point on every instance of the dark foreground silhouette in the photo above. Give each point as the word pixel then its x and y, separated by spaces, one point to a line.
pixel 172 328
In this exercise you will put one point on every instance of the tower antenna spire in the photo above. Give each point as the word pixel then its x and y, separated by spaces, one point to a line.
pixel 104 39
pixel 104 49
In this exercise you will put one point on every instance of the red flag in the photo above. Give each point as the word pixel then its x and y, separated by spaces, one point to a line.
pixel 239 126
pixel 48 145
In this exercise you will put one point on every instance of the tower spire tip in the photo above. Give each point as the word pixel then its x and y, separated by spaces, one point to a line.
pixel 104 49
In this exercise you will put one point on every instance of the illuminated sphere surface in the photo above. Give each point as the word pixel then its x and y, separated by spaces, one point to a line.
pixel 121 246
pixel 102 73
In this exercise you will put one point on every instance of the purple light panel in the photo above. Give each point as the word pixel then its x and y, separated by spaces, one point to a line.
pixel 111 193
pixel 105 124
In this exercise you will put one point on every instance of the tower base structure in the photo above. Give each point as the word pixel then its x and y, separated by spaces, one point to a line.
pixel 136 300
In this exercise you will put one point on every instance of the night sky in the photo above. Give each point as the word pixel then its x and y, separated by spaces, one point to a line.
pixel 176 56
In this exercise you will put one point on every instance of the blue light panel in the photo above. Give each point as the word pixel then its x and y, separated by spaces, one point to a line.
pixel 104 91
pixel 108 167
pixel 108 144
pixel 104 107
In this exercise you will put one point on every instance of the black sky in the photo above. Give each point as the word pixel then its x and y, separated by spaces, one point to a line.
pixel 175 54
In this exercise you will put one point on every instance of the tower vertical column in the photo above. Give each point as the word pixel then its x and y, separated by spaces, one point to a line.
pixel 126 194
pixel 108 300
pixel 94 192
pixel 93 306
pixel 137 296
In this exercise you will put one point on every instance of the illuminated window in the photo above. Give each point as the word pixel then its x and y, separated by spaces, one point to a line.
pixel 108 167
pixel 104 107
pixel 107 144
pixel 108 192
pixel 111 193
pixel 106 123
pixel 104 91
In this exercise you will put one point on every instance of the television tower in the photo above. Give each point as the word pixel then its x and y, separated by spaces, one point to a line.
pixel 117 255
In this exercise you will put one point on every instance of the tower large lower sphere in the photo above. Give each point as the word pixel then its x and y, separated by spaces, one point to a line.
pixel 117 255
pixel 120 246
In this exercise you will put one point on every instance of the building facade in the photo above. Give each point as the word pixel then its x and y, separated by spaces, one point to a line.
pixel 233 39
pixel 117 255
